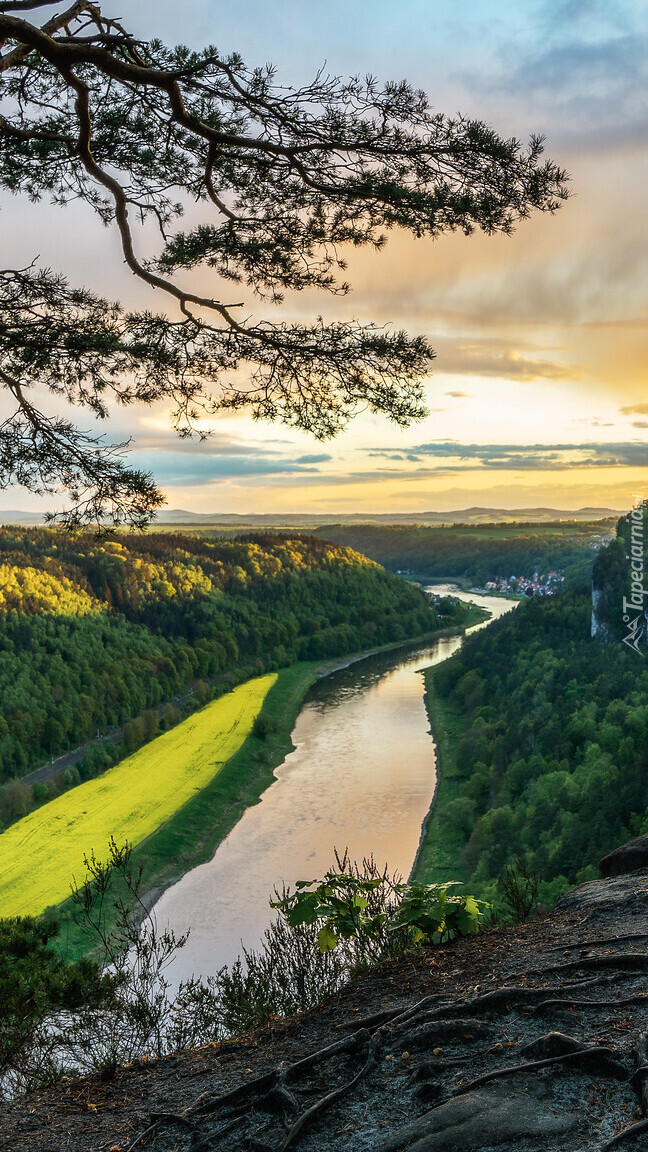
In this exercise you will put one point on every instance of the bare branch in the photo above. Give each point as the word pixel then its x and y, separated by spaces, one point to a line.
pixel 48 29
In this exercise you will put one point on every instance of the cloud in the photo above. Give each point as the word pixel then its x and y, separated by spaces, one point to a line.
pixel 631 322
pixel 200 470
pixel 215 444
pixel 457 395
pixel 634 410
pixel 534 457
pixel 640 423
pixel 488 358
pixel 394 456
pixel 218 457
pixel 584 69
pixel 594 422
pixel 564 280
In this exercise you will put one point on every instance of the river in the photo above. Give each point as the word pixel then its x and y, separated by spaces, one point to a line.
pixel 361 777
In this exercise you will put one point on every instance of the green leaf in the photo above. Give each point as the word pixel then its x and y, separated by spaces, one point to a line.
pixel 305 910
pixel 326 939
pixel 472 907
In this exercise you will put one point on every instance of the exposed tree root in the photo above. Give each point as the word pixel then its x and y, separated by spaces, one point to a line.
pixel 263 1085
pixel 158 1121
pixel 375 1044
pixel 210 1141
pixel 370 1021
pixel 251 1088
pixel 599 942
pixel 452 1022
pixel 567 1002
pixel 326 1101
pixel 626 1134
pixel 604 1060
pixel 444 1030
pixel 357 1040
pixel 626 961
pixel 497 999
pixel 141 1137
pixel 436 1051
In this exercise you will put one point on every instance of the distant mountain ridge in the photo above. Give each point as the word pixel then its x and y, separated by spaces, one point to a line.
pixel 14 516
pixel 474 515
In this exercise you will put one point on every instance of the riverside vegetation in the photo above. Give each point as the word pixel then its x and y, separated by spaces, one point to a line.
pixel 543 733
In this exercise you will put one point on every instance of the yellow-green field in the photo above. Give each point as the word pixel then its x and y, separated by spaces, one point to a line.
pixel 39 854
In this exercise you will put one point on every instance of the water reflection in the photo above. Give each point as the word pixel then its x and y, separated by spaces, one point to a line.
pixel 361 777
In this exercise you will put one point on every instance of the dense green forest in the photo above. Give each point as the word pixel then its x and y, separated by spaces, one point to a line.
pixel 553 757
pixel 478 552
pixel 96 632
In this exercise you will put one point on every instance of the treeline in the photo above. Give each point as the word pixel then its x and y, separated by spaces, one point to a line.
pixel 97 633
pixel 478 554
pixel 553 757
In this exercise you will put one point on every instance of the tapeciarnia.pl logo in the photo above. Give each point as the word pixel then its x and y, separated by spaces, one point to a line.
pixel 635 611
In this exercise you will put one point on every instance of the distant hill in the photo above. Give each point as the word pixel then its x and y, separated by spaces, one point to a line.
pixel 13 516
pixel 474 515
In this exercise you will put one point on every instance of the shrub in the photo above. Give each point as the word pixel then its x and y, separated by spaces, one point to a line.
pixel 519 884
pixel 367 907
pixel 434 916
pixel 263 726
pixel 36 986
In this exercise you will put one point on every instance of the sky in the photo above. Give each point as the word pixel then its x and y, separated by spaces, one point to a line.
pixel 538 394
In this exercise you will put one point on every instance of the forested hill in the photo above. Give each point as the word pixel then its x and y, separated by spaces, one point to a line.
pixel 96 631
pixel 479 552
pixel 552 757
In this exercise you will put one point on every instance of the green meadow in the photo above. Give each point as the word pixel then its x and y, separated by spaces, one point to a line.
pixel 40 853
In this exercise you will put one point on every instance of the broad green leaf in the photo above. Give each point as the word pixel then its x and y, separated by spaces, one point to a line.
pixel 326 939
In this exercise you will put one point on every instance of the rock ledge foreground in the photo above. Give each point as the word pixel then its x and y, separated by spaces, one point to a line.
pixel 533 1038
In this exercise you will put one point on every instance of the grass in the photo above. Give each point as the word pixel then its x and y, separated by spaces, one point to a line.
pixel 191 836
pixel 40 853
pixel 441 846
pixel 476 615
